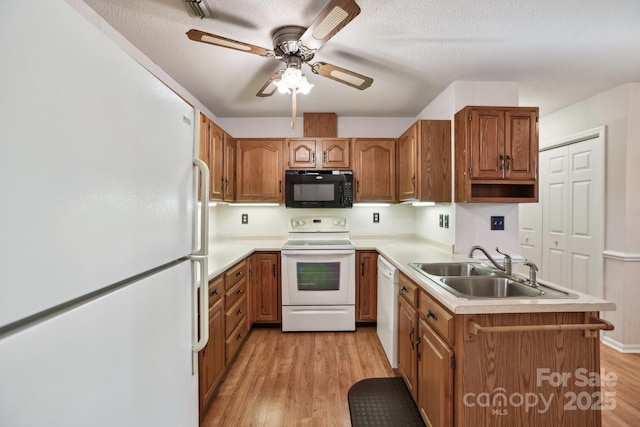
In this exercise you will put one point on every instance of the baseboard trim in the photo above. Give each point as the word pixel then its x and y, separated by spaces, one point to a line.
pixel 622 348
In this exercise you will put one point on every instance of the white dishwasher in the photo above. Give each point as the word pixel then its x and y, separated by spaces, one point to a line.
pixel 387 321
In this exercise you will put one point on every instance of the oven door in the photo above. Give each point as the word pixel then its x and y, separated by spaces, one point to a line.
pixel 318 277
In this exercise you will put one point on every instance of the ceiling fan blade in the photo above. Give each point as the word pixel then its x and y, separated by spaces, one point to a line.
pixel 332 19
pixel 201 36
pixel 342 75
pixel 269 87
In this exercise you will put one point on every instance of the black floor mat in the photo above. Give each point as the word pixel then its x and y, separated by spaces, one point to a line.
pixel 382 402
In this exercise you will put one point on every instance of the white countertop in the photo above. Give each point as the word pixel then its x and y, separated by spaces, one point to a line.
pixel 225 253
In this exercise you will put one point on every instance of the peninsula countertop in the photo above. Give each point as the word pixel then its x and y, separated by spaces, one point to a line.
pixel 400 251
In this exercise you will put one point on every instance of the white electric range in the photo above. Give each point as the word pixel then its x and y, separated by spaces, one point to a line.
pixel 318 276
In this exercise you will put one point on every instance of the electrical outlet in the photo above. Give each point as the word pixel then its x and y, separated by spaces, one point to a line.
pixel 245 218
pixel 497 223
pixel 441 220
pixel 376 217
pixel 446 221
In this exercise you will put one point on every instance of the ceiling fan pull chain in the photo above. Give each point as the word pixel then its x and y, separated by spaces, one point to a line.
pixel 293 107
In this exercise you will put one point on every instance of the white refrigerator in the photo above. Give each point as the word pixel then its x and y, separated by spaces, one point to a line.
pixel 101 246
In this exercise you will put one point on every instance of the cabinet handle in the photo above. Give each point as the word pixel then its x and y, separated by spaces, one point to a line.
pixel 431 314
pixel 313 157
pixel 411 332
pixel 324 156
pixel 239 312
pixel 214 292
pixel 508 163
pixel 413 181
pixel 404 289
pixel 280 186
pixel 239 337
pixel 418 342
pixel 362 269
pixel 357 185
pixel 501 162
pixel 273 267
pixel 239 273
pixel 239 291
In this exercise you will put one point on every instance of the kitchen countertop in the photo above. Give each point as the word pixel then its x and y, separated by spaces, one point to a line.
pixel 225 253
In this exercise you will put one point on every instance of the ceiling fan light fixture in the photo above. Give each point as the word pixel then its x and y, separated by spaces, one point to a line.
pixel 292 78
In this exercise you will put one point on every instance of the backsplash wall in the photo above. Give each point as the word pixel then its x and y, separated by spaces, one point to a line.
pixel 266 221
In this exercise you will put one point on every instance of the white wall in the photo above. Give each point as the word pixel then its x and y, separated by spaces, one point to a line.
pixel 618 109
pixel 280 127
pixel 272 221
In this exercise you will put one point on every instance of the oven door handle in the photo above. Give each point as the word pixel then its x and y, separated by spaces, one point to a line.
pixel 320 252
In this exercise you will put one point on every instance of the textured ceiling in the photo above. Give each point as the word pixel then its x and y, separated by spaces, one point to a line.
pixel 559 51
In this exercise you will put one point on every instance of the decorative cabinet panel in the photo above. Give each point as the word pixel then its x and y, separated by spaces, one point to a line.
pixel 424 162
pixel 264 280
pixel 496 154
pixel 319 153
pixel 374 168
pixel 366 286
pixel 259 170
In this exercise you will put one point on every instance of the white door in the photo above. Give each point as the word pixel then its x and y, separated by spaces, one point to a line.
pixel 571 210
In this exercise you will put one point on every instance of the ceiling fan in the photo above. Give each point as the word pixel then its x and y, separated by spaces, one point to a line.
pixel 295 46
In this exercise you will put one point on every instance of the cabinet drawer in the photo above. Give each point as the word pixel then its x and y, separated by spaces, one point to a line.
pixel 235 340
pixel 408 290
pixel 437 317
pixel 235 274
pixel 235 314
pixel 216 290
pixel 235 293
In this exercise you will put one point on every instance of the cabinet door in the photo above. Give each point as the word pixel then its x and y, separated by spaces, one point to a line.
pixel 211 151
pixel 367 286
pixel 212 357
pixel 407 336
pixel 487 143
pixel 407 158
pixel 259 170
pixel 229 172
pixel 302 153
pixel 335 153
pixel 435 378
pixel 521 143
pixel 374 168
pixel 265 287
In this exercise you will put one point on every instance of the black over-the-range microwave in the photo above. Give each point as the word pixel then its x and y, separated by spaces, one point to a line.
pixel 318 189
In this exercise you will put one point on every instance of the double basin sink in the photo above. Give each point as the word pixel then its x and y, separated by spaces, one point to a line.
pixel 475 280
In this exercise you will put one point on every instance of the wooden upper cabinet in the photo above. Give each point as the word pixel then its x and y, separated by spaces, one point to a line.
pixel 374 168
pixel 496 154
pixel 217 150
pixel 319 153
pixel 259 170
pixel 424 162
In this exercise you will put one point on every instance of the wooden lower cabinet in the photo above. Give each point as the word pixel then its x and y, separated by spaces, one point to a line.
pixel 366 286
pixel 435 377
pixel 407 335
pixel 507 376
pixel 211 361
pixel 265 287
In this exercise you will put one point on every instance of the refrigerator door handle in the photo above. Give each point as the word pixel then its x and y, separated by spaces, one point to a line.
pixel 203 250
pixel 201 312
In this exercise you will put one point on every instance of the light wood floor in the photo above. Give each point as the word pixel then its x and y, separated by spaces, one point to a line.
pixel 302 379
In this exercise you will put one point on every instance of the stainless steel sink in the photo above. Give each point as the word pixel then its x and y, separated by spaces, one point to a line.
pixel 474 280
pixel 449 269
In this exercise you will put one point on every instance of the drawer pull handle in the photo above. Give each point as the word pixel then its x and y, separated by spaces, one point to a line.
pixel 404 289
pixel 411 337
pixel 239 273
pixel 213 292
pixel 239 312
pixel 239 337
pixel 431 314
pixel 239 291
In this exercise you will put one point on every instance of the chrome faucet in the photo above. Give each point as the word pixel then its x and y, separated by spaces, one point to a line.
pixel 533 269
pixel 507 259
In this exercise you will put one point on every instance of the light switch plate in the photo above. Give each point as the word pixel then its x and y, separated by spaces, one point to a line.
pixel 245 218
